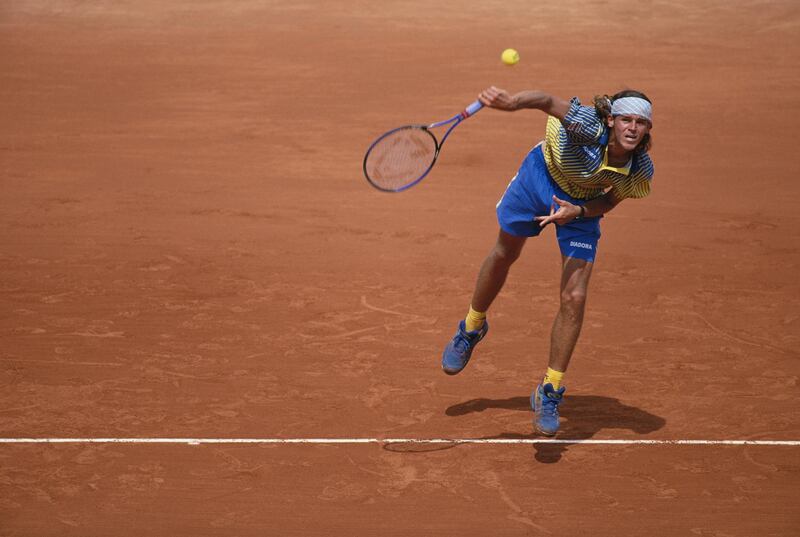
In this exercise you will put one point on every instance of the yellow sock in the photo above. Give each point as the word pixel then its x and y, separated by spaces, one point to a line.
pixel 553 377
pixel 475 320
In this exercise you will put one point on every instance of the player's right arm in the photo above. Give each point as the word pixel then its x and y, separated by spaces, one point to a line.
pixel 500 99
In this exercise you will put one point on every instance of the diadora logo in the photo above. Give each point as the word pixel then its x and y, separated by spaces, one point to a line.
pixel 576 244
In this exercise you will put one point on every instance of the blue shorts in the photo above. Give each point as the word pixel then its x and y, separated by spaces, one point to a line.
pixel 530 194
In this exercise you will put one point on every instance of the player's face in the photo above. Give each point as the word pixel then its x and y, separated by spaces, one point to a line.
pixel 629 130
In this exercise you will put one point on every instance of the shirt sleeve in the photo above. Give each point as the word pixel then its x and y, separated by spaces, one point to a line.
pixel 637 185
pixel 581 124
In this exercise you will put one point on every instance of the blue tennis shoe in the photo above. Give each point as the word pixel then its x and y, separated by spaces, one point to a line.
pixel 544 402
pixel 458 351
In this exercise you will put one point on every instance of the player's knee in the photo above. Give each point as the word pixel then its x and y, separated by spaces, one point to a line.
pixel 504 254
pixel 507 249
pixel 573 299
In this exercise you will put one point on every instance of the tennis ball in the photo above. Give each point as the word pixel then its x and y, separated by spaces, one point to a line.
pixel 509 56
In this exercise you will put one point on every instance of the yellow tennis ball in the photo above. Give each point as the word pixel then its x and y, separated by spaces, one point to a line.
pixel 509 56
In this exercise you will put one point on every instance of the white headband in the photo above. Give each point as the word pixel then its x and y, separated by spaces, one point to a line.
pixel 629 106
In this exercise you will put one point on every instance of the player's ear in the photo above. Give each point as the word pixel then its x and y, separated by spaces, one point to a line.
pixel 610 121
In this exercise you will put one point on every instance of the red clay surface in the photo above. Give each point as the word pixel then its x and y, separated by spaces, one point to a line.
pixel 188 249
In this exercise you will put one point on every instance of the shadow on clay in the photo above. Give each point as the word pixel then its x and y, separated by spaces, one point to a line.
pixel 582 417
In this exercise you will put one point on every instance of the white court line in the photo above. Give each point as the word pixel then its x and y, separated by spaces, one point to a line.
pixel 198 441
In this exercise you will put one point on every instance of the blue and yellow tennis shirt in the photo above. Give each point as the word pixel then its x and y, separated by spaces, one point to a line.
pixel 575 153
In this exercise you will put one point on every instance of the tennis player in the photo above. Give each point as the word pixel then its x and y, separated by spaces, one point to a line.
pixel 591 159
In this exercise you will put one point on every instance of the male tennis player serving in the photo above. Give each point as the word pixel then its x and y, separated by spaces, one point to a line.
pixel 591 159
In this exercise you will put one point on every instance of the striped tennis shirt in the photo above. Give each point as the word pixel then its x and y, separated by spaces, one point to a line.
pixel 575 151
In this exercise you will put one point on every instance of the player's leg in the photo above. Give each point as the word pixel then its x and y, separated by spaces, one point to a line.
pixel 491 278
pixel 563 337
pixel 494 269
pixel 567 326
pixel 529 194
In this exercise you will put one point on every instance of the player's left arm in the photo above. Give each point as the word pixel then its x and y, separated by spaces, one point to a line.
pixel 567 212
pixel 601 205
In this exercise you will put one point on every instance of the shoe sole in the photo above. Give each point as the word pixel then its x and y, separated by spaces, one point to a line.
pixel 542 432
pixel 452 372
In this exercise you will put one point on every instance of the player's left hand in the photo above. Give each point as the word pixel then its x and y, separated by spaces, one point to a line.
pixel 566 213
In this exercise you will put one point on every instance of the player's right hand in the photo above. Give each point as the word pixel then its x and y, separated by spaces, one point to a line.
pixel 500 99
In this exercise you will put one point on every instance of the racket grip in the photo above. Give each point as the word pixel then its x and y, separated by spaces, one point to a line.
pixel 472 109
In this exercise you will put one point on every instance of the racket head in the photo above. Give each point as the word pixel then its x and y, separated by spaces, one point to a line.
pixel 401 158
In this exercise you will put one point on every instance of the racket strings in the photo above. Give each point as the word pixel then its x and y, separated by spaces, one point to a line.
pixel 400 158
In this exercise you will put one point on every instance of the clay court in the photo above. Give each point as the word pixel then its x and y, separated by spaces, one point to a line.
pixel 189 250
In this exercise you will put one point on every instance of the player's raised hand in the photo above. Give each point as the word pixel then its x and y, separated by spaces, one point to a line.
pixel 566 213
pixel 500 99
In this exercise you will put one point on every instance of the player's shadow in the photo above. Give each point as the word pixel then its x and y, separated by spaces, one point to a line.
pixel 582 417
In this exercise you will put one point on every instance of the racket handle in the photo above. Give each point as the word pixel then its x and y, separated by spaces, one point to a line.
pixel 471 109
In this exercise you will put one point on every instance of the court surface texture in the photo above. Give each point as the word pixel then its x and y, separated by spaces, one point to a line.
pixel 210 324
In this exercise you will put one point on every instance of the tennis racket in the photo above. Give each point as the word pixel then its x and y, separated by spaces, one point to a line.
pixel 402 157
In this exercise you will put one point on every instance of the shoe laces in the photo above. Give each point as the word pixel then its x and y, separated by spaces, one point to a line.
pixel 464 340
pixel 550 405
pixel 462 343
